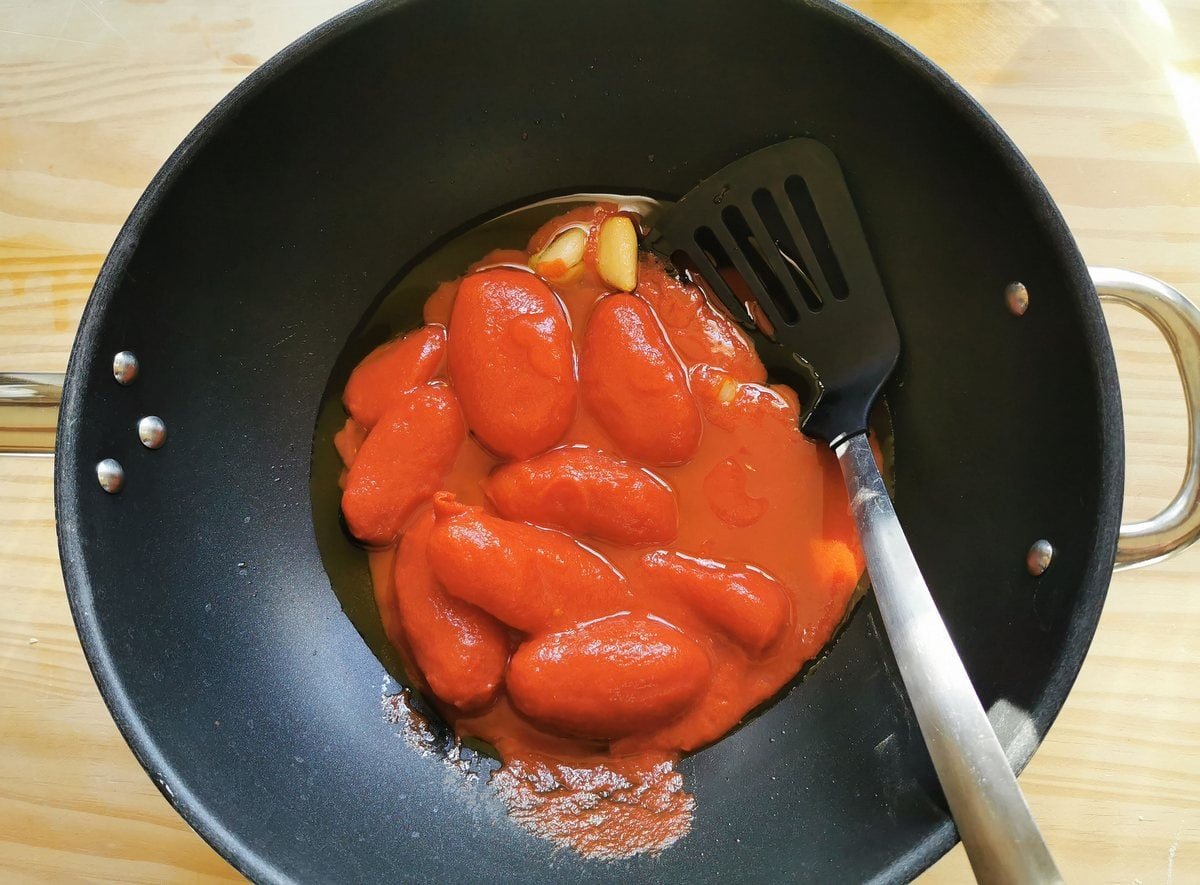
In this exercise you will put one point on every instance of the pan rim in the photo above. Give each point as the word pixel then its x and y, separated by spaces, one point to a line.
pixel 69 479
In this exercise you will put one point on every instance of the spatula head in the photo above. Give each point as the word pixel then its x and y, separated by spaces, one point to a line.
pixel 777 239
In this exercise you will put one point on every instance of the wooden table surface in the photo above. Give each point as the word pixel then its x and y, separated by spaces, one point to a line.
pixel 1102 96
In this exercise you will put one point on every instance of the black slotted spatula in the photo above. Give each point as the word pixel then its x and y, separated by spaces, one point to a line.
pixel 782 221
pixel 777 238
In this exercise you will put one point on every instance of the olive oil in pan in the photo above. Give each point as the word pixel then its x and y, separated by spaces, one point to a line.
pixel 399 310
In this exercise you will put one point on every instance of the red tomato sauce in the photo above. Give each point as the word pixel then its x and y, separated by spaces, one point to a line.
pixel 599 539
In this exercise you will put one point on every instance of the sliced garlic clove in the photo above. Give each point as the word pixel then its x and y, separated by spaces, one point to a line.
pixel 616 253
pixel 563 254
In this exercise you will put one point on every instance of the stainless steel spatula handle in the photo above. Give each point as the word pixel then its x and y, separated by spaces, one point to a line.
pixel 1002 840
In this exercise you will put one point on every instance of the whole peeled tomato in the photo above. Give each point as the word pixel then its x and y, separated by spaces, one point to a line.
pixel 588 493
pixel 390 370
pixel 744 603
pixel 402 462
pixel 700 333
pixel 530 578
pixel 512 361
pixel 461 650
pixel 608 678
pixel 633 383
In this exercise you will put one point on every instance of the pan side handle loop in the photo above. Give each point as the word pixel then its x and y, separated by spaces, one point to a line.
pixel 29 412
pixel 1178 525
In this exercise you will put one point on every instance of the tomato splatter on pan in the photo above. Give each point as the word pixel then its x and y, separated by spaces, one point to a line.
pixel 598 537
pixel 606 811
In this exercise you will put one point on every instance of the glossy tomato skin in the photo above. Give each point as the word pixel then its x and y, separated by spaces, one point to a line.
pixel 634 385
pixel 390 370
pixel 529 578
pixel 512 361
pixel 700 333
pixel 608 678
pixel 460 649
pixel 587 493
pixel 402 462
pixel 730 404
pixel 745 604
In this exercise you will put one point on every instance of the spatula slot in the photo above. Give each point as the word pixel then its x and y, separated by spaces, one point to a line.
pixel 758 262
pixel 708 243
pixel 772 219
pixel 709 248
pixel 810 220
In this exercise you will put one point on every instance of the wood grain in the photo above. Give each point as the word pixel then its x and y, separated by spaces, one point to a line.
pixel 1104 99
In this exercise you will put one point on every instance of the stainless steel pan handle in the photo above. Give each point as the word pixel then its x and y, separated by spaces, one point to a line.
pixel 1178 525
pixel 29 412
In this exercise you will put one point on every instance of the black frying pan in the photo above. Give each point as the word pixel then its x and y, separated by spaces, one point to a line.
pixel 246 268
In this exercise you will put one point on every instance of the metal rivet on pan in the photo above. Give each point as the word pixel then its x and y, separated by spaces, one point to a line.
pixel 1017 297
pixel 125 367
pixel 152 431
pixel 1037 560
pixel 111 475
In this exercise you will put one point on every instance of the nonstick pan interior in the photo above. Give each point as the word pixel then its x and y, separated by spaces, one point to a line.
pixel 200 593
